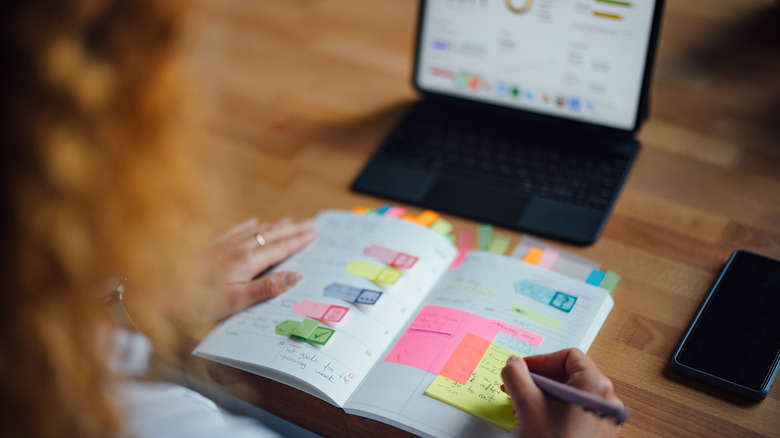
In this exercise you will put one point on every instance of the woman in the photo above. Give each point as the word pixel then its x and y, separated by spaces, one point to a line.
pixel 97 182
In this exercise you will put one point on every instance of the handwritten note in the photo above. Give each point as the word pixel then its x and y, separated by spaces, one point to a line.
pixel 481 394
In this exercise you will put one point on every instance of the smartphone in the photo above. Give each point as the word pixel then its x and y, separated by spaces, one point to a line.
pixel 734 341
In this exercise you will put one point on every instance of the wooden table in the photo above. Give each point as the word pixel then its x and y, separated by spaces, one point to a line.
pixel 295 95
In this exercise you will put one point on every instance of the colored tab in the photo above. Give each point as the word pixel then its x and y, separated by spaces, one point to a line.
pixel 537 317
pixel 595 277
pixel 518 346
pixel 548 259
pixel 427 218
pixel 351 294
pixel 383 209
pixel 458 260
pixel 546 295
pixel 484 236
pixel 396 212
pixel 375 273
pixel 360 209
pixel 304 329
pixel 451 238
pixel 499 245
pixel 321 335
pixel 533 256
pixel 286 328
pixel 465 240
pixel 610 281
pixel 320 311
pixel 441 226
pixel 392 257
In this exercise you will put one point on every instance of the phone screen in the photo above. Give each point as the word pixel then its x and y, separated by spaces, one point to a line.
pixel 736 337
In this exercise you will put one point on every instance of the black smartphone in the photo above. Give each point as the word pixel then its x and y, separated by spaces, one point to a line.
pixel 734 341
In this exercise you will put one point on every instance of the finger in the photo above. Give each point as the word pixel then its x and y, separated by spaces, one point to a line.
pixel 552 365
pixel 278 231
pixel 245 294
pixel 261 258
pixel 525 395
pixel 237 230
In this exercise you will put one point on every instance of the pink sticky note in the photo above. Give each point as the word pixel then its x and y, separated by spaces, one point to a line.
pixel 517 332
pixel 427 335
pixel 465 359
pixel 395 212
pixel 392 257
pixel 465 240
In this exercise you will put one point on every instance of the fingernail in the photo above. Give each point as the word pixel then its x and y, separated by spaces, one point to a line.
pixel 512 358
pixel 292 278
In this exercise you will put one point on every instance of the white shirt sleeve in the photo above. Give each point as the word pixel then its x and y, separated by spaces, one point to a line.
pixel 155 410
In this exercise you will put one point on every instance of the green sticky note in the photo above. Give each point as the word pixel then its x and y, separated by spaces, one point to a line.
pixel 610 281
pixel 304 329
pixel 287 328
pixel 484 236
pixel 451 238
pixel 441 226
pixel 321 335
pixel 499 245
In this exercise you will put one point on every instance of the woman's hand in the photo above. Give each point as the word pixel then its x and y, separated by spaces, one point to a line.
pixel 541 416
pixel 237 258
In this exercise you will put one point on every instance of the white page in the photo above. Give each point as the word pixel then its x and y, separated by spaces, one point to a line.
pixel 248 340
pixel 484 285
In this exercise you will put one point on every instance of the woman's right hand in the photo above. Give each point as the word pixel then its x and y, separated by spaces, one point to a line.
pixel 538 415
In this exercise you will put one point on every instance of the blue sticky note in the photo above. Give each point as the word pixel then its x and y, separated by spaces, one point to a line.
pixel 351 294
pixel 595 277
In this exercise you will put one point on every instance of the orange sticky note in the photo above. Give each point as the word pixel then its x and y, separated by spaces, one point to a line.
pixel 360 209
pixel 465 359
pixel 534 255
pixel 427 218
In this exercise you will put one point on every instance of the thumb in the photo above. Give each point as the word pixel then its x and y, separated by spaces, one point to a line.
pixel 263 288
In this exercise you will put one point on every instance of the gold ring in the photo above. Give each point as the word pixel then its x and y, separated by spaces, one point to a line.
pixel 260 239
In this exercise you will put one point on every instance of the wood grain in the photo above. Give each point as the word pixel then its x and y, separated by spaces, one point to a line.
pixel 293 97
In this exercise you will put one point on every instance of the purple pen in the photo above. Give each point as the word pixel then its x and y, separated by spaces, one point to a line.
pixel 576 396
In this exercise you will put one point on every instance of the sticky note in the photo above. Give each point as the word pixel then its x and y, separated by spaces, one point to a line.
pixel 320 335
pixel 441 226
pixel 351 294
pixel 392 257
pixel 546 295
pixel 499 245
pixel 377 274
pixel 481 395
pixel 518 346
pixel 427 218
pixel 383 209
pixel 537 317
pixel 533 256
pixel 286 328
pixel 320 311
pixel 451 238
pixel 595 277
pixel 610 281
pixel 484 236
pixel 304 329
pixel 465 359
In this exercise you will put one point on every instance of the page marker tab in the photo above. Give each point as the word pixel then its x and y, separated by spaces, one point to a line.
pixel 320 311
pixel 383 209
pixel 537 317
pixel 396 212
pixel 360 209
pixel 394 258
pixel 441 226
pixel 499 245
pixel 286 328
pixel 304 329
pixel 610 281
pixel 595 277
pixel 546 295
pixel 321 335
pixel 533 256
pixel 484 236
pixel 352 294
pixel 377 274
pixel 548 259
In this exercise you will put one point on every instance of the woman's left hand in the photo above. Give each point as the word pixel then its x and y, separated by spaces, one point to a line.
pixel 246 251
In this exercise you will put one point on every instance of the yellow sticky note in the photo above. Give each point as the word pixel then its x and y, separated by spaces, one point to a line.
pixel 377 274
pixel 537 317
pixel 481 395
pixel 441 226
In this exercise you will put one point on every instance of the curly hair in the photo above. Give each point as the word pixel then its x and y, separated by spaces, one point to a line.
pixel 94 183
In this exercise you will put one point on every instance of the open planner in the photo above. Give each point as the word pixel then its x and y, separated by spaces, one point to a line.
pixel 381 326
